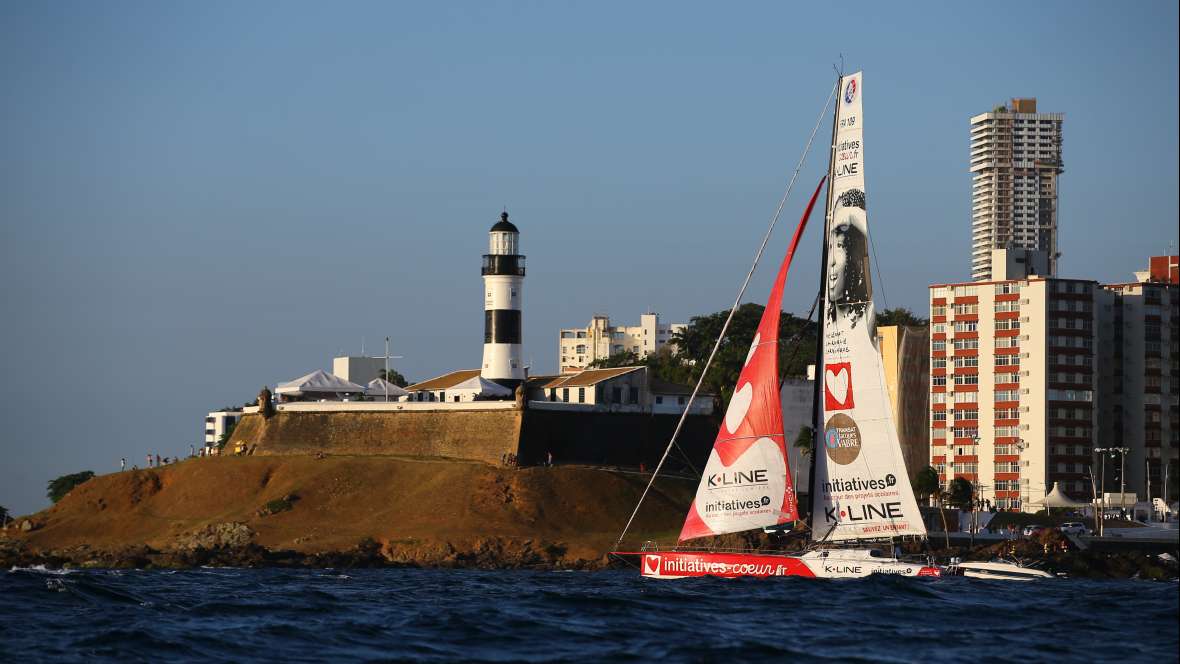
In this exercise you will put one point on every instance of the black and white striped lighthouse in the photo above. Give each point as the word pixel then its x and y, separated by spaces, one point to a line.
pixel 503 277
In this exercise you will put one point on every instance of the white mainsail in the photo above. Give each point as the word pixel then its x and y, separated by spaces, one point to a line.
pixel 860 489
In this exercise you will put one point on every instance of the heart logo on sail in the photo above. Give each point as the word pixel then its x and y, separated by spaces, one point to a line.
pixel 753 348
pixel 838 386
pixel 739 405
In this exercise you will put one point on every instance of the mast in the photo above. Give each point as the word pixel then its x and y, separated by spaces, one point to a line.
pixel 817 413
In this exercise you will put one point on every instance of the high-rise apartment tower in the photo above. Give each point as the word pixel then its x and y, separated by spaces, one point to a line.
pixel 1015 161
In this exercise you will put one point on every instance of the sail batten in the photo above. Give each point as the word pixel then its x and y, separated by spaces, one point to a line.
pixel 747 482
pixel 860 489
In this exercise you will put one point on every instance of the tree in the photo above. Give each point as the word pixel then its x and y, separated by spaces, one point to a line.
pixel 940 498
pixel 394 377
pixel 805 441
pixel 229 432
pixel 926 483
pixel 900 316
pixel 961 494
pixel 622 359
pixel 695 342
pixel 59 487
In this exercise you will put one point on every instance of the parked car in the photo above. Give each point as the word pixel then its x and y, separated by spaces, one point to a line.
pixel 1030 531
pixel 1074 528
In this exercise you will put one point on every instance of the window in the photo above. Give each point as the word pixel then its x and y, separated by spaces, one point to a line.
pixel 616 394
pixel 967 397
pixel 966 414
pixel 565 394
pixel 938 381
pixel 971 361
pixel 1002 307
pixel 1007 360
pixel 1008 324
pixel 938 416
pixel 938 310
pixel 938 397
pixel 966 326
pixel 966 344
pixel 938 345
pixel 967 432
pixel 1007 414
pixel 1006 289
pixel 966 309
pixel 581 395
pixel 938 363
pixel 969 379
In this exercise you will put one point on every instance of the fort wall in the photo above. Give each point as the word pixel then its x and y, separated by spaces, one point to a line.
pixel 592 438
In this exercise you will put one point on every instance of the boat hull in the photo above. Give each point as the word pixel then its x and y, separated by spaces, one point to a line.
pixel 836 564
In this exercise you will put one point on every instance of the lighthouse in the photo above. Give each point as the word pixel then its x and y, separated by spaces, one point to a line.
pixel 503 277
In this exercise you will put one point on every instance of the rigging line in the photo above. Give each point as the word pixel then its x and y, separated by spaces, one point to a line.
pixel 737 302
pixel 880 272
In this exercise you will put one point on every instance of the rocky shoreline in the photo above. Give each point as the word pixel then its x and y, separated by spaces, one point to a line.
pixel 232 545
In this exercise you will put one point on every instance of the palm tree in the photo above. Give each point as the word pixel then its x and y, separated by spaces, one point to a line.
pixel 926 483
pixel 940 496
pixel 805 441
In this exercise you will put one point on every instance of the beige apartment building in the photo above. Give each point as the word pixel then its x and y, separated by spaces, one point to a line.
pixel 1012 387
pixel 579 346
pixel 1028 376
pixel 1015 162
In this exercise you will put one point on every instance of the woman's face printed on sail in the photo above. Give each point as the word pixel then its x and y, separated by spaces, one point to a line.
pixel 847 251
pixel 837 261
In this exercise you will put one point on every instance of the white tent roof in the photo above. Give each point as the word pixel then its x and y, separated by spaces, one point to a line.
pixel 378 386
pixel 317 382
pixel 1057 499
pixel 483 387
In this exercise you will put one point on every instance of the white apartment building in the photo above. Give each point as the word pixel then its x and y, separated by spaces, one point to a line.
pixel 1015 161
pixel 577 347
pixel 1012 387
pixel 218 423
pixel 357 369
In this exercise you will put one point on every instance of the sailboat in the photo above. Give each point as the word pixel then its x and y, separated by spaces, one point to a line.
pixel 860 493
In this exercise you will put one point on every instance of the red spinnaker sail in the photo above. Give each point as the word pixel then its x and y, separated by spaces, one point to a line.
pixel 747 482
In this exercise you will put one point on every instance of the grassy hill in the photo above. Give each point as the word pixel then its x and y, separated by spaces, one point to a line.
pixel 418 510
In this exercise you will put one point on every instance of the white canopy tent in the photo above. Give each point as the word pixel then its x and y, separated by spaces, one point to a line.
pixel 477 386
pixel 318 383
pixel 1055 498
pixel 378 388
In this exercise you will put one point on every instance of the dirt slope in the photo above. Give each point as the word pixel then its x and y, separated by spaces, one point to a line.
pixel 411 506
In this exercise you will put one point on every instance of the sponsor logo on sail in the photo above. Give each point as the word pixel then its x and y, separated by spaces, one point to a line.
pixel 842 439
pixel 855 513
pixel 850 91
pixel 735 505
pixel 838 386
pixel 737 478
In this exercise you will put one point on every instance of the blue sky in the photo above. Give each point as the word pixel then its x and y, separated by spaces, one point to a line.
pixel 197 199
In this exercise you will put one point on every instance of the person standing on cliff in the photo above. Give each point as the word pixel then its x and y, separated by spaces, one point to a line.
pixel 549 459
pixel 149 461
pixel 122 464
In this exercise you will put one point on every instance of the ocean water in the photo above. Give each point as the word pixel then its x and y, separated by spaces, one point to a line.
pixel 449 615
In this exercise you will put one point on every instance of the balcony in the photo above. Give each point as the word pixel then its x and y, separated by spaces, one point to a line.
pixel 495 264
